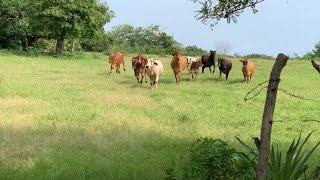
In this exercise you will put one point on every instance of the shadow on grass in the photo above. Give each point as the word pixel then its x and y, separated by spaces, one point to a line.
pixel 77 152
pixel 237 81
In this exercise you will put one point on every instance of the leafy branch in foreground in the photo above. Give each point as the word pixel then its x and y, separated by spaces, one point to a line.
pixel 212 11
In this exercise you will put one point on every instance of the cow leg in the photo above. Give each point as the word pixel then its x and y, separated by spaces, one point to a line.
pixel 136 74
pixel 145 78
pixel 210 69
pixel 123 66
pixel 156 81
pixel 203 69
pixel 176 76
pixel 227 74
pixel 110 70
pixel 179 76
pixel 220 76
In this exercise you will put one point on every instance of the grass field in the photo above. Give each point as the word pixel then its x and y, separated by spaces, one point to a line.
pixel 65 118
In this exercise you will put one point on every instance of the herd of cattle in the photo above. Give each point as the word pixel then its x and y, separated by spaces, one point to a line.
pixel 143 66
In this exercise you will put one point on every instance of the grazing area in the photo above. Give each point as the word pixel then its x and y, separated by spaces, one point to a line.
pixel 67 118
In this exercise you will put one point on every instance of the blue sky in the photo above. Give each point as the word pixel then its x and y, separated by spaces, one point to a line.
pixel 287 26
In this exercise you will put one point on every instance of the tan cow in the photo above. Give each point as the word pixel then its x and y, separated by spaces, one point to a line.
pixel 247 69
pixel 178 64
pixel 115 61
pixel 154 70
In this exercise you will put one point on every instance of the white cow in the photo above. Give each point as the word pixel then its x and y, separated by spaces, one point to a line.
pixel 154 70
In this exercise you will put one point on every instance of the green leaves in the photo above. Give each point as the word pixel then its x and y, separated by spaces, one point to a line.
pixel 291 166
pixel 212 12
pixel 215 159
pixel 148 39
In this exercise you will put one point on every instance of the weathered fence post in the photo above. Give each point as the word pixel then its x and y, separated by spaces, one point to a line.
pixel 267 118
pixel 316 66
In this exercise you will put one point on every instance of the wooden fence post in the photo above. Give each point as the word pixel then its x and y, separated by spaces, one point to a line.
pixel 316 66
pixel 267 118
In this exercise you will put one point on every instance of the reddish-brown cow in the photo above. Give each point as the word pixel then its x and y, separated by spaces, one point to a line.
pixel 247 69
pixel 115 61
pixel 139 66
pixel 178 64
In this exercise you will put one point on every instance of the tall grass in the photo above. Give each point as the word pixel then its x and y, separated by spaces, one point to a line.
pixel 65 118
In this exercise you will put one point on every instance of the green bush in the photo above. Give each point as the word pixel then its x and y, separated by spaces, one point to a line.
pixel 214 159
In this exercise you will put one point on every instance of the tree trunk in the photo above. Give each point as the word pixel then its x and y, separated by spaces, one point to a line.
pixel 23 43
pixel 73 45
pixel 31 40
pixel 60 45
pixel 267 118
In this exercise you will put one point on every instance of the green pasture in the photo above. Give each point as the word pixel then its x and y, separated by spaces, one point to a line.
pixel 65 118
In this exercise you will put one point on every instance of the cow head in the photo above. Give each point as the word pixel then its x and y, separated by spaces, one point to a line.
pixel 177 54
pixel 133 62
pixel 220 61
pixel 244 61
pixel 141 59
pixel 212 52
pixel 110 58
pixel 151 62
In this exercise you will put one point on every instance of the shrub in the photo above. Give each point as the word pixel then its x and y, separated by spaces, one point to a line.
pixel 214 159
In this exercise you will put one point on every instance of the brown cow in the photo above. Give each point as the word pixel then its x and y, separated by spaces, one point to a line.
pixel 194 69
pixel 247 69
pixel 115 61
pixel 178 64
pixel 225 67
pixel 139 66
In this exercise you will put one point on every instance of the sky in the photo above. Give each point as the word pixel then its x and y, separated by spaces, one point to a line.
pixel 280 26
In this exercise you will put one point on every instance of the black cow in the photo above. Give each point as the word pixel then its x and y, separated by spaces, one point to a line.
pixel 225 67
pixel 208 61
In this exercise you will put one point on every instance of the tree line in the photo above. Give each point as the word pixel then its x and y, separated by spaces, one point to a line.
pixel 68 25
pixel 27 21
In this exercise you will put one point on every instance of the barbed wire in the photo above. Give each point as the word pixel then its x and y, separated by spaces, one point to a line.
pixel 304 120
pixel 246 98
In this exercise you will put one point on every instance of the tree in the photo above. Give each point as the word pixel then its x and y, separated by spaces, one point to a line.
pixel 212 12
pixel 194 51
pixel 15 22
pixel 28 20
pixel 62 19
pixel 316 51
pixel 148 39
pixel 223 47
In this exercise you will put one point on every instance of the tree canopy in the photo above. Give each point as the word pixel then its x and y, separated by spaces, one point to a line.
pixel 148 39
pixel 59 19
pixel 212 11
